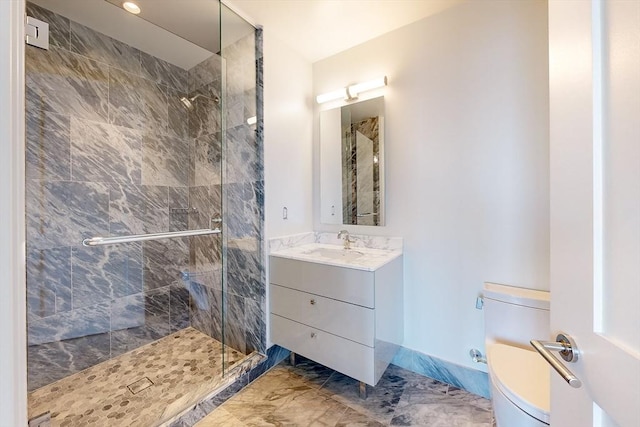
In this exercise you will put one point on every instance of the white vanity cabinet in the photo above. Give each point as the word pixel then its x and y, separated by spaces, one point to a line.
pixel 345 318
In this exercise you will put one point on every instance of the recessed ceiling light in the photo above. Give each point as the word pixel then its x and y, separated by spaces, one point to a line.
pixel 130 6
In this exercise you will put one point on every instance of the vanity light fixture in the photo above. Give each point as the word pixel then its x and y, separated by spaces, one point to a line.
pixel 131 7
pixel 350 93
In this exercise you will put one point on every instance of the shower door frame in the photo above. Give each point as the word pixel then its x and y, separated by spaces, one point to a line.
pixel 13 334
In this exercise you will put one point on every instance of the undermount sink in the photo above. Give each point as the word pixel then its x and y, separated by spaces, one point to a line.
pixel 337 253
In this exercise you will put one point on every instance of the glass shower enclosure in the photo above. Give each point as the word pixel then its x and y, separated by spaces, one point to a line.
pixel 144 208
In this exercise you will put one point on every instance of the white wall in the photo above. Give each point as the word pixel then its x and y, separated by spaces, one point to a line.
pixel 288 121
pixel 466 160
pixel 13 373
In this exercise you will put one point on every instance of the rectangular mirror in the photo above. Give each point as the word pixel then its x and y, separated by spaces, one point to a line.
pixel 352 164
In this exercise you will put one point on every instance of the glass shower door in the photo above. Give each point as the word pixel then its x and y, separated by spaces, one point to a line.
pixel 242 192
pixel 124 187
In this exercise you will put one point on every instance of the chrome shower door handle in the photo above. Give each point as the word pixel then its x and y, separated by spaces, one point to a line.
pixel 568 351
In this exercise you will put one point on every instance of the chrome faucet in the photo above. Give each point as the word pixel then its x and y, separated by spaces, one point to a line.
pixel 344 235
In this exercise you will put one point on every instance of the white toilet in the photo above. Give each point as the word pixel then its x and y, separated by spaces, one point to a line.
pixel 520 378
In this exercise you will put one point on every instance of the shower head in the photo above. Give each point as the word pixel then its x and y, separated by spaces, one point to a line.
pixel 188 102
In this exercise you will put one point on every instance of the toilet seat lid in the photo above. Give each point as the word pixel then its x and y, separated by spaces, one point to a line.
pixel 523 376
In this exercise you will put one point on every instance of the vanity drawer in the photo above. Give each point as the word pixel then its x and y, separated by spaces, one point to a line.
pixel 341 283
pixel 343 355
pixel 339 318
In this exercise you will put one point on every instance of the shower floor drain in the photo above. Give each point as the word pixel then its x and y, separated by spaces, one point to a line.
pixel 141 384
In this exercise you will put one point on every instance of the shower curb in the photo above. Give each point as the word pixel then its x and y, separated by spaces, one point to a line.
pixel 217 397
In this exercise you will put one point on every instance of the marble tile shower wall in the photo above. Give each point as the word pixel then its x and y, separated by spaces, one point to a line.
pixel 245 293
pixel 205 191
pixel 111 151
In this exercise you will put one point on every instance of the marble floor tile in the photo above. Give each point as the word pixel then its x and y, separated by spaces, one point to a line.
pixel 381 400
pixel 309 394
pixel 221 417
pixel 353 418
pixel 320 410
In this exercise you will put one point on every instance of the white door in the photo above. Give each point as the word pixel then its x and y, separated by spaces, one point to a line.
pixel 595 207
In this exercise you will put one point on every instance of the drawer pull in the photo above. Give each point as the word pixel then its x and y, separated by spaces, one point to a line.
pixel 312 302
pixel 313 334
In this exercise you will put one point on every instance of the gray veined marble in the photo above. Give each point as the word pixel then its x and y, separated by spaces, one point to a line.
pixel 178 197
pixel 244 210
pixel 205 72
pixel 139 319
pixel 177 114
pixel 105 153
pixel 206 253
pixel 126 101
pixel 63 82
pixel 237 52
pixel 59 26
pixel 102 48
pixel 309 394
pixel 42 299
pixel 381 400
pixel 179 307
pixel 206 117
pixel 165 160
pixel 101 274
pixel 64 213
pixel 206 309
pixel 235 326
pixel 241 81
pixel 179 210
pixel 255 325
pixel 245 268
pixel 156 107
pixel 211 279
pixel 207 201
pixel 48 154
pixel 471 380
pixel 138 209
pixel 137 103
pixel 48 282
pixel 164 262
pixel 241 67
pixel 418 407
pixel 207 160
pixel 55 360
pixel 163 72
pixel 242 150
pixel 70 324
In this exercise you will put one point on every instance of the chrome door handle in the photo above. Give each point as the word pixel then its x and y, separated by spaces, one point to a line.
pixel 569 352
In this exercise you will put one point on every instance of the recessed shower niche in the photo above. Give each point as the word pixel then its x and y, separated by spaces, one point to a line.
pixel 118 160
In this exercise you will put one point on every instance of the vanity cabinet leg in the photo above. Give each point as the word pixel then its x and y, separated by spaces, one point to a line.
pixel 292 358
pixel 363 390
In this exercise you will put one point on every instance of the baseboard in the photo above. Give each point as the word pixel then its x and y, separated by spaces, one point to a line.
pixel 471 380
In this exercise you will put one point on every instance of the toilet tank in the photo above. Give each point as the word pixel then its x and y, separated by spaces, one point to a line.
pixel 514 315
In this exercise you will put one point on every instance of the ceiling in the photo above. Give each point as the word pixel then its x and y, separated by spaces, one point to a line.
pixel 321 28
pixel 185 32
pixel 194 20
pixel 182 32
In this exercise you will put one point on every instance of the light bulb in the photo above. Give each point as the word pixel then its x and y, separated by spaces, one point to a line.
pixel 131 7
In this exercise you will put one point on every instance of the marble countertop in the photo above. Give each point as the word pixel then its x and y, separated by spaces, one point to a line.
pixel 357 257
